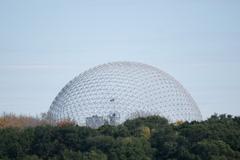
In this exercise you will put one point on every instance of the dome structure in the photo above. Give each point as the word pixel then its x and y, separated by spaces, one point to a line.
pixel 114 92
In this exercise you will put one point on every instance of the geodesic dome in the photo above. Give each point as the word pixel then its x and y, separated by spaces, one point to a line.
pixel 123 90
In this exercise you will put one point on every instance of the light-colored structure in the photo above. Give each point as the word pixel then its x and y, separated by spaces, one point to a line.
pixel 125 89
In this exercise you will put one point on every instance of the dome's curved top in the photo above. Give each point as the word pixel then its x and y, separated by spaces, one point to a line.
pixel 127 89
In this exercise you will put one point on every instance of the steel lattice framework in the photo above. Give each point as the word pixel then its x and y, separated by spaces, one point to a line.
pixel 128 88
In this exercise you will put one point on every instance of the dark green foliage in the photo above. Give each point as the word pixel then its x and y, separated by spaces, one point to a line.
pixel 164 139
pixel 217 138
pixel 31 157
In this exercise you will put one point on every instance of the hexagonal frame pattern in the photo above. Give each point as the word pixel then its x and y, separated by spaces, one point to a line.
pixel 129 88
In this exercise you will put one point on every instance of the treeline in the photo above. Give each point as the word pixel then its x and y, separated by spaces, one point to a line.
pixel 150 138
pixel 21 121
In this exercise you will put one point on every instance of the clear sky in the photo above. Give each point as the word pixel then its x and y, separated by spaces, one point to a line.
pixel 44 44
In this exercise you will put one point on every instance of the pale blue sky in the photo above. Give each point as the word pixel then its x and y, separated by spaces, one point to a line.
pixel 44 44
